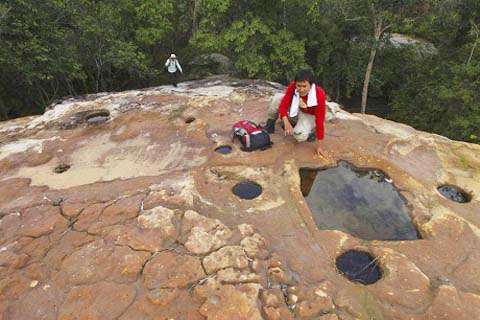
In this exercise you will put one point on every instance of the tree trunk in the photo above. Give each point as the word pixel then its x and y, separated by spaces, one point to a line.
pixel 477 33
pixel 195 16
pixel 368 73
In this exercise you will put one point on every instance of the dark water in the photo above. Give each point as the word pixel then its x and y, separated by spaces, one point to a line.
pixel 359 202
pixel 359 267
pixel 247 190
pixel 454 194
pixel 61 168
pixel 98 117
pixel 190 120
pixel 224 149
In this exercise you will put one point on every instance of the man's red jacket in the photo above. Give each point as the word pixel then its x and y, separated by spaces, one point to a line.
pixel 318 111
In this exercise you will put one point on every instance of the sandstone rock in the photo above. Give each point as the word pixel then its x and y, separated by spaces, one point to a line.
pixel 246 230
pixel 253 246
pixel 40 221
pixel 230 256
pixel 272 298
pixel 158 218
pixel 275 261
pixel 100 261
pixel 169 270
pixel 272 313
pixel 232 276
pixel 206 235
pixel 72 210
pixel 316 302
pixel 164 304
pixel 452 304
pixel 100 301
pixel 229 302
pixel 404 283
pixel 163 296
pixel 329 317
pixel 88 216
pixel 277 275
pixel 133 236
pixel 69 244
pixel 9 225
pixel 37 303
pixel 151 159
pixel 118 212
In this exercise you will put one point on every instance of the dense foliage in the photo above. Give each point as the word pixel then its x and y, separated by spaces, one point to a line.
pixel 50 49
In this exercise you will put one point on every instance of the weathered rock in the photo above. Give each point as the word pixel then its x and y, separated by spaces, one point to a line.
pixel 118 213
pixel 229 302
pixel 158 218
pixel 206 235
pixel 253 246
pixel 98 261
pixel 232 276
pixel 403 283
pixel 246 230
pixel 315 302
pixel 226 257
pixel 40 221
pixel 100 301
pixel 452 304
pixel 169 270
pixel 163 296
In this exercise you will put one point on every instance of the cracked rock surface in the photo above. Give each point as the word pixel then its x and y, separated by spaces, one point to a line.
pixel 142 222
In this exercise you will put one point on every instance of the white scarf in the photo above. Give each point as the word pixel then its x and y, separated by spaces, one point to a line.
pixel 311 100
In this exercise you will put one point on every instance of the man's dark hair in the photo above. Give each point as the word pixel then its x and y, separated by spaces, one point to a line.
pixel 303 75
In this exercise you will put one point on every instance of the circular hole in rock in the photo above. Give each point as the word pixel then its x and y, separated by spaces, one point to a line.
pixel 61 168
pixel 247 190
pixel 453 193
pixel 97 117
pixel 224 149
pixel 190 120
pixel 359 266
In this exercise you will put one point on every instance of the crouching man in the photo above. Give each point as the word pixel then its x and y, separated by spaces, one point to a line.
pixel 302 110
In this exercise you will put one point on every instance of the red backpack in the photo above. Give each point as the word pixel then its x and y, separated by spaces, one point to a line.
pixel 251 136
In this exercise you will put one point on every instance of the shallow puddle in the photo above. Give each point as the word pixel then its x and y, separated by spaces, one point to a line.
pixel 359 266
pixel 454 194
pixel 360 202
pixel 247 190
pixel 224 149
pixel 97 117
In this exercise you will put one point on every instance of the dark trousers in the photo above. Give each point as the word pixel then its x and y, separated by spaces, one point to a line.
pixel 174 77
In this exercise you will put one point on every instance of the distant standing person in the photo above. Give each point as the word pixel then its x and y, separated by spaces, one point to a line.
pixel 302 110
pixel 173 66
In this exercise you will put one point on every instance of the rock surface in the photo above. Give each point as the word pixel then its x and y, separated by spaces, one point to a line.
pixel 141 223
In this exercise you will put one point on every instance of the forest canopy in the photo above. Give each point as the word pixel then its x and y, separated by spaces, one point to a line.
pixel 51 49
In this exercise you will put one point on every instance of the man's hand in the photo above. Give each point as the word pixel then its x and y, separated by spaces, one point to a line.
pixel 288 127
pixel 320 152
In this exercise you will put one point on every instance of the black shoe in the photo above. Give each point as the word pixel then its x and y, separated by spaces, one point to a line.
pixel 270 126
pixel 312 137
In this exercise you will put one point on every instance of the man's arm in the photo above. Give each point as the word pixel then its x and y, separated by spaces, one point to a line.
pixel 286 101
pixel 320 112
pixel 178 66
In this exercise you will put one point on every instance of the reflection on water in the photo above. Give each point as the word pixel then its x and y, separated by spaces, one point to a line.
pixel 224 149
pixel 360 202
pixel 454 194
pixel 359 266
pixel 247 190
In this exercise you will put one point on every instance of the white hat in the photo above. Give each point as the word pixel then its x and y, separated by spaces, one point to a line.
pixel 173 56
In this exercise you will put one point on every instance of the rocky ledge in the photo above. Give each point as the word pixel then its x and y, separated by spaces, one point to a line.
pixel 116 206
